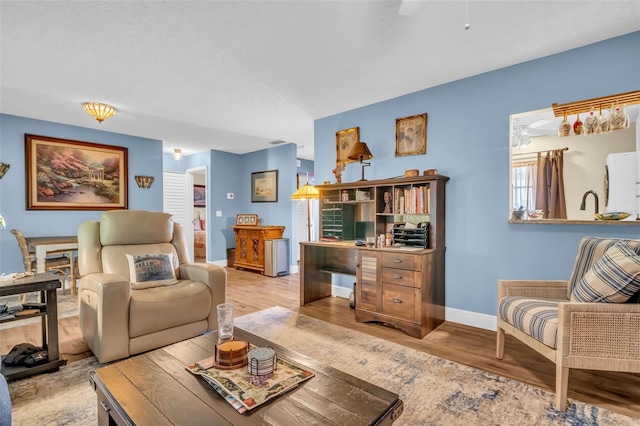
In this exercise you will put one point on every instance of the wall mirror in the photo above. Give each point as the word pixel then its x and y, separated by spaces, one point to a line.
pixel 600 172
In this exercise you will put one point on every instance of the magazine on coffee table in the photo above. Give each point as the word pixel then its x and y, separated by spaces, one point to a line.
pixel 246 392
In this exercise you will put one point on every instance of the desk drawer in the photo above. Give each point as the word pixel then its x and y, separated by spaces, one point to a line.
pixel 402 277
pixel 401 302
pixel 401 261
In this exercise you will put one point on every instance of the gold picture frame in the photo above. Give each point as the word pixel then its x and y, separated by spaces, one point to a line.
pixel 345 139
pixel 65 174
pixel 411 135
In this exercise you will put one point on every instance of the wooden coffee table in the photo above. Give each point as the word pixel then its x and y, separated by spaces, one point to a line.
pixel 154 388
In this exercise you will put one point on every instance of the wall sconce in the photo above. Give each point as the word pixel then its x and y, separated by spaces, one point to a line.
pixel 144 181
pixel 99 111
pixel 177 154
pixel 4 168
pixel 360 152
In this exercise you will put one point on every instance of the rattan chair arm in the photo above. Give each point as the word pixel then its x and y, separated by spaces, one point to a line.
pixel 545 289
pixel 605 331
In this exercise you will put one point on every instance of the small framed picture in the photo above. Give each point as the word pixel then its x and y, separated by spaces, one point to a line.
pixel 345 139
pixel 411 135
pixel 264 187
pixel 247 220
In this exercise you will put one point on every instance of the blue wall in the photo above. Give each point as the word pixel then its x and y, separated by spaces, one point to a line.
pixel 144 156
pixel 282 158
pixel 468 140
pixel 232 173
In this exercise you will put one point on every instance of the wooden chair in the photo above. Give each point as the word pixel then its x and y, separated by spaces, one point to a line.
pixel 58 261
pixel 552 318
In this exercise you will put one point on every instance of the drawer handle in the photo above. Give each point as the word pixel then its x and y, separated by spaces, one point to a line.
pixel 105 407
pixel 396 300
pixel 397 260
pixel 397 276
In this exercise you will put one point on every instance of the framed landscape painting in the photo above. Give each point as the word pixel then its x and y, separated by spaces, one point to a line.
pixel 73 175
pixel 264 187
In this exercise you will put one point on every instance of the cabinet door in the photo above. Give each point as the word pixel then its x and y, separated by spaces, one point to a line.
pixel 368 295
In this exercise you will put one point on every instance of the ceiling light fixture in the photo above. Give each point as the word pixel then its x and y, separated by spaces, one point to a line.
pixel 177 154
pixel 99 111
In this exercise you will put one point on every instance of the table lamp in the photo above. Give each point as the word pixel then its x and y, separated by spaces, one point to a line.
pixel 360 152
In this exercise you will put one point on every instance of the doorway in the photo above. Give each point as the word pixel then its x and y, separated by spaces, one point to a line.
pixel 197 213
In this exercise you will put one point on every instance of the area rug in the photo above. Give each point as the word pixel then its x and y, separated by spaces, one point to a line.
pixel 435 391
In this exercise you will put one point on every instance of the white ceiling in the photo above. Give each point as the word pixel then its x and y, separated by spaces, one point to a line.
pixel 237 75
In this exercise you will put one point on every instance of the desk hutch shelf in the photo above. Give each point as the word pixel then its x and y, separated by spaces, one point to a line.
pixel 401 285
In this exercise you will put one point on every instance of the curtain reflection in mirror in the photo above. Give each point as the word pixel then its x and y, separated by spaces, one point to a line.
pixel 539 185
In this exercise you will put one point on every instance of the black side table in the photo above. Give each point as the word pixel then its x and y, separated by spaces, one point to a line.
pixel 46 284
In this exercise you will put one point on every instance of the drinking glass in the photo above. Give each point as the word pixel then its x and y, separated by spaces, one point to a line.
pixel 225 321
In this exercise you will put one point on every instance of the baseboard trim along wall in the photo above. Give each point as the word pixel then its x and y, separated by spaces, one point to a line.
pixel 472 319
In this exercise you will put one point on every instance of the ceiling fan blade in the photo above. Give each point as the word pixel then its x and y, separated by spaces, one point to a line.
pixel 409 7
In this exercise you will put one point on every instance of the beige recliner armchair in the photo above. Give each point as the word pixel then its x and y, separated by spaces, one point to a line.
pixel 138 292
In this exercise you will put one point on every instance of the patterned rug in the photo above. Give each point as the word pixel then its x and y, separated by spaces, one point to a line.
pixel 435 391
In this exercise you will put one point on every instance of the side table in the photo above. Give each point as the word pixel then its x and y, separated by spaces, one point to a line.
pixel 46 284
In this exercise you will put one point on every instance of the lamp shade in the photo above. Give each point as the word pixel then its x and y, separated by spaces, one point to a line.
pixel 306 192
pixel 360 152
pixel 99 111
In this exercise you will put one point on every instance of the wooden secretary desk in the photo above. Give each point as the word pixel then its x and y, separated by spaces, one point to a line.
pixel 250 245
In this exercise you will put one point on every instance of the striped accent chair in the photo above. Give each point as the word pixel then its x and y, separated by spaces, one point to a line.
pixel 591 321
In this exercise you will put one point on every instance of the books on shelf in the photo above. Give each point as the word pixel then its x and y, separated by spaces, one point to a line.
pixel 245 392
pixel 413 200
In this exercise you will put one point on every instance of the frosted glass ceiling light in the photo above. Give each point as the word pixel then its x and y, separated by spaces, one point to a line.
pixel 177 154
pixel 99 111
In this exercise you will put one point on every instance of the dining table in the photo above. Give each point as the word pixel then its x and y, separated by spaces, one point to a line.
pixel 43 246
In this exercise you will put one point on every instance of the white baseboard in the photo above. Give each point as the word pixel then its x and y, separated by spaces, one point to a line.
pixel 473 319
pixel 340 291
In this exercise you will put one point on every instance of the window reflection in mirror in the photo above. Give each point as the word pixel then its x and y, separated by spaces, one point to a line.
pixel 584 163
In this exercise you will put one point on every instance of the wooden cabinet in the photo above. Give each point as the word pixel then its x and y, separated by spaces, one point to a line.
pixel 402 285
pixel 400 289
pixel 249 252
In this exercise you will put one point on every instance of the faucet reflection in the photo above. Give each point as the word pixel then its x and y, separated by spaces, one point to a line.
pixel 584 200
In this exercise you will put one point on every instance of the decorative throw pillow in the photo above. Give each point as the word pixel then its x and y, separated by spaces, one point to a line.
pixel 615 278
pixel 151 270
pixel 196 225
pixel 203 224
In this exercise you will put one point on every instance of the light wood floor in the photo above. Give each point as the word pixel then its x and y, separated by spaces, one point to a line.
pixel 251 292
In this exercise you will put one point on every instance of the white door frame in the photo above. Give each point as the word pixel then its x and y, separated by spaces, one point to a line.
pixel 189 210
